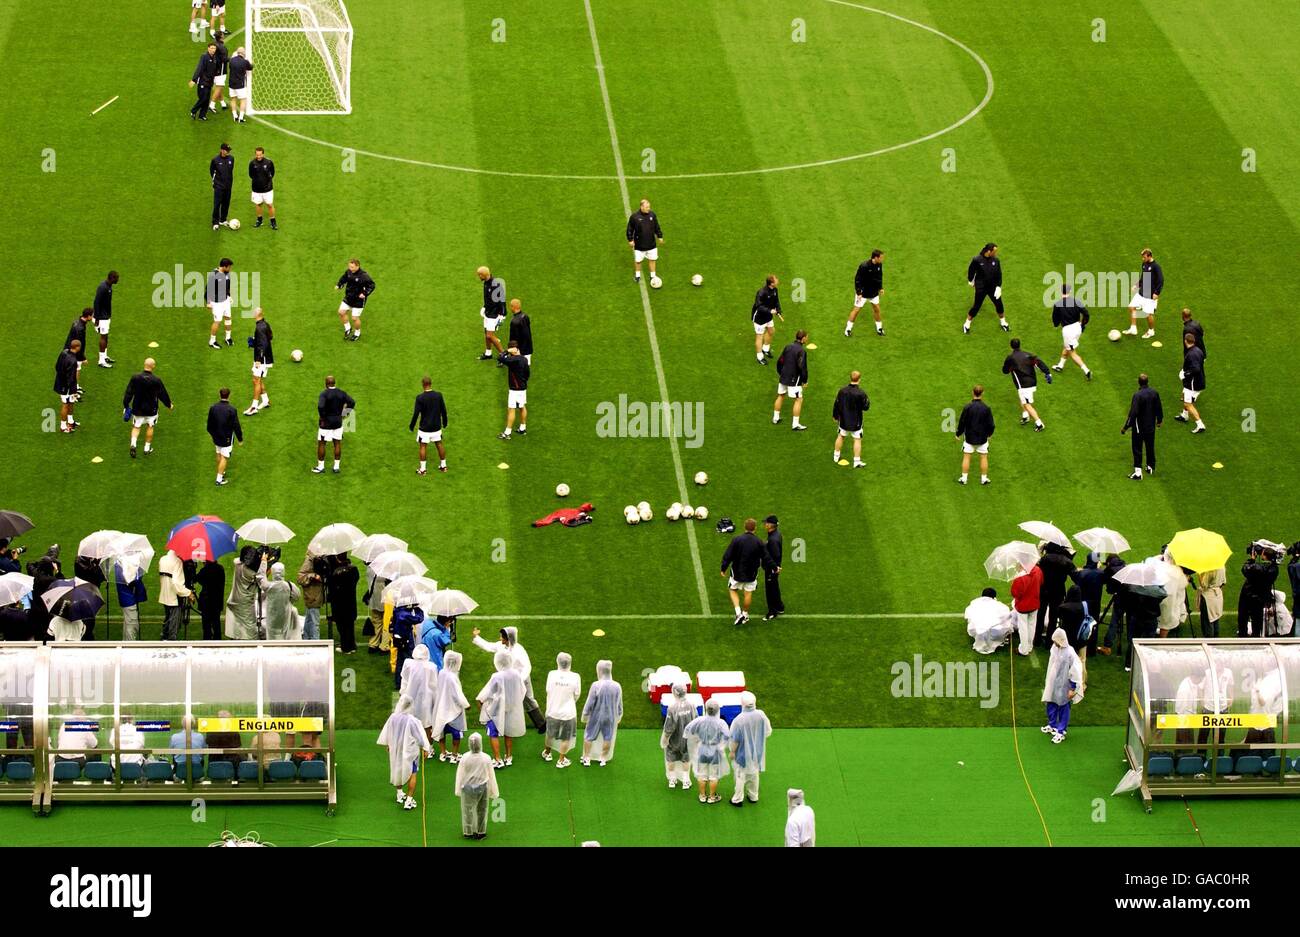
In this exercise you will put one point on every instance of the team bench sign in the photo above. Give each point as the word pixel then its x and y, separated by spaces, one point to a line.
pixel 1216 721
pixel 273 724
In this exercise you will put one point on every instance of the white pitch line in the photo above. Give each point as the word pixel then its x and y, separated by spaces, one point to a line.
pixel 649 312
pixel 696 616
pixel 104 105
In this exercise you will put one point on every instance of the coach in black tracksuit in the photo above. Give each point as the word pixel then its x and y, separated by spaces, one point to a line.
pixel 205 75
pixel 744 555
pixel 222 171
pixel 1144 415
pixel 984 273
pixel 775 548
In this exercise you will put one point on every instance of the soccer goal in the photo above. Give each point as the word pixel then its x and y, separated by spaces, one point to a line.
pixel 301 52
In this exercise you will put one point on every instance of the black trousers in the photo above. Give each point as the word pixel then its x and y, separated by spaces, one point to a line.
pixel 1250 621
pixel 220 205
pixel 1140 440
pixel 347 629
pixel 980 293
pixel 203 94
pixel 772 589
pixel 211 623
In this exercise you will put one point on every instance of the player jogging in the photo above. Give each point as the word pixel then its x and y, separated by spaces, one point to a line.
pixel 868 284
pixel 984 275
pixel 357 287
pixel 1151 283
pixel 492 312
pixel 767 306
pixel 1020 365
pixel 218 300
pixel 1071 317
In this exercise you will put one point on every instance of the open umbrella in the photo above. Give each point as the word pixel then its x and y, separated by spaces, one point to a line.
pixel 264 530
pixel 1102 540
pixel 1049 532
pixel 12 524
pixel 13 586
pixel 334 539
pixel 411 590
pixel 375 544
pixel 202 537
pixel 397 563
pixel 73 599
pixel 1010 560
pixel 451 602
pixel 133 552
pixel 1144 578
pixel 1199 550
pixel 99 544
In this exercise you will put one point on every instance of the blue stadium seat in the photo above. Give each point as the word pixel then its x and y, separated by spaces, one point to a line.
pixel 131 771
pixel 248 771
pixel 187 767
pixel 311 771
pixel 1190 764
pixel 97 771
pixel 1160 766
pixel 221 771
pixel 158 770
pixel 1272 764
pixel 18 771
pixel 1250 764
pixel 66 771
pixel 281 771
pixel 1223 764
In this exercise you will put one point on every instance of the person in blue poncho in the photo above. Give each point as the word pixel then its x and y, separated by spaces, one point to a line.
pixel 434 636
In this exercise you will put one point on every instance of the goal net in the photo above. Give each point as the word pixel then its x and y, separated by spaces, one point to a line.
pixel 301 52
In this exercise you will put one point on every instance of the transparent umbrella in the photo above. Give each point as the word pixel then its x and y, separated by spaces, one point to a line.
pixel 13 586
pixel 264 530
pixel 98 545
pixel 375 544
pixel 1102 540
pixel 411 590
pixel 1049 532
pixel 451 602
pixel 1010 560
pixel 397 563
pixel 335 539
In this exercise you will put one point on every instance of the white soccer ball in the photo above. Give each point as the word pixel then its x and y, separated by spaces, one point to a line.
pixel 1114 335
pixel 688 511
pixel 655 283
pixel 630 515
pixel 701 478
pixel 296 354
pixel 643 509
pixel 701 514
pixel 697 280
pixel 674 511
pixel 233 224
pixel 561 490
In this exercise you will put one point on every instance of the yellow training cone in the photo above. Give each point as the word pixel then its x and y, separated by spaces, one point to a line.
pixel 503 465
pixel 598 633
pixel 1217 465
pixel 97 460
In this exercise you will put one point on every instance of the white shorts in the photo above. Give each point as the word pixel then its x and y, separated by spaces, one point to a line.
pixel 218 8
pixel 102 326
pixel 1189 395
pixel 219 80
pixel 263 198
pixel 261 370
pixel 197 4
pixel 490 324
pixel 224 451
pixel 423 437
pixel 67 398
pixel 221 311
pixel 517 398
pixel 355 310
pixel 855 433
pixel 794 392
pixel 651 254
pixel 138 421
pixel 762 329
pixel 860 301
pixel 741 586
pixel 1027 394
pixel 1143 305
pixel 240 94
pixel 329 435
pixel 1071 335
pixel 981 449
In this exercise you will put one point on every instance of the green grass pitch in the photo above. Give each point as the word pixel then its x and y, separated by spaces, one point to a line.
pixel 1175 132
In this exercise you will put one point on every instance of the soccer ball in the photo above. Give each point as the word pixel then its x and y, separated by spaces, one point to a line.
pixel 674 511
pixel 296 354
pixel 697 280
pixel 1114 335
pixel 701 478
pixel 655 283
pixel 688 511
pixel 643 509
pixel 233 224
pixel 630 515
pixel 561 490
pixel 701 514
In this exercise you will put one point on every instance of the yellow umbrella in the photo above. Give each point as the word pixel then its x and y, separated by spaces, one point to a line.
pixel 1199 550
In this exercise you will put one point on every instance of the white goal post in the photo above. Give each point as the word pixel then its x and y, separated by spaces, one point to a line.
pixel 301 52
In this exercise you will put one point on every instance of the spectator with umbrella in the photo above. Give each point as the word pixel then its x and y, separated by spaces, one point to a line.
pixel 90 552
pixel 341 587
pixel 281 606
pixel 1017 562
pixel 15 622
pixel 1206 554
pixel 70 602
pixel 199 538
pixel 245 612
pixel 211 583
pixel 1144 583
pixel 173 594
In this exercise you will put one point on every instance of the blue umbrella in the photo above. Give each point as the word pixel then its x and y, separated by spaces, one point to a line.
pixel 73 599
pixel 202 537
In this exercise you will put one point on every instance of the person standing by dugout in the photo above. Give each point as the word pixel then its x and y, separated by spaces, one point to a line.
pixel 1144 415
pixel 775 548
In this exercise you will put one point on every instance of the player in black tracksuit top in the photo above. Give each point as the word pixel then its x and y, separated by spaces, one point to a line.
pixel 224 429
pixel 65 385
pixel 330 407
pixel 1020 365
pixel 205 74
pixel 431 415
pixel 984 273
pixel 1151 283
pixel 492 312
pixel 263 359
pixel 357 287
pixel 868 284
pixel 976 426
pixel 775 548
pixel 767 306
pixel 521 330
pixel 517 373
pixel 850 403
pixel 77 332
pixel 745 555
pixel 143 394
pixel 1145 414
pixel 1071 317
pixel 1193 378
pixel 261 175
pixel 792 378
pixel 222 170
pixel 223 64
pixel 644 237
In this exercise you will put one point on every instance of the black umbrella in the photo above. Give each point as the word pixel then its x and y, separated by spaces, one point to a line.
pixel 12 524
pixel 73 599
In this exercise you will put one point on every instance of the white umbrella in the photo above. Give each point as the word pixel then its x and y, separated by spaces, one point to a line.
pixel 335 539
pixel 132 552
pixel 99 544
pixel 1102 540
pixel 411 590
pixel 397 563
pixel 450 603
pixel 13 586
pixel 265 530
pixel 1140 574
pixel 1131 781
pixel 1049 532
pixel 1010 560
pixel 375 544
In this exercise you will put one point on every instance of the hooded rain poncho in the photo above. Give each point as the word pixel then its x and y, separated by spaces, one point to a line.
pixel 405 739
pixel 503 698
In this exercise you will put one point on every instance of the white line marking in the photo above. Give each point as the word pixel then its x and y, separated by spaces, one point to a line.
pixel 576 177
pixel 696 616
pixel 649 313
pixel 104 105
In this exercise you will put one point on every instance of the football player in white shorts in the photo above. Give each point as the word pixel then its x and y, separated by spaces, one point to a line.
pixel 1071 316
pixel 218 12
pixel 1151 282
pixel 197 16
pixel 868 284
pixel 218 301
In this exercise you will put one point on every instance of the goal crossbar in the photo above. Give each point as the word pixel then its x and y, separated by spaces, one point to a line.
pixel 326 28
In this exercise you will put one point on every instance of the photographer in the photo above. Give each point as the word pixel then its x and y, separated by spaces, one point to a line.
pixel 341 586
pixel 43 572
pixel 1258 573
pixel 1293 573
pixel 211 581
pixel 9 558
pixel 84 567
pixel 311 577
pixel 244 604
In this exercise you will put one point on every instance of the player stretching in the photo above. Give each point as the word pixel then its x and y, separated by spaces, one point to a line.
pixel 1071 317
pixel 357 287
pixel 868 284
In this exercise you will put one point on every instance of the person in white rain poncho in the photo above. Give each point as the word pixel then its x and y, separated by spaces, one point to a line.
pixel 800 821
pixel 449 708
pixel 476 784
pixel 1173 607
pixel 405 739
pixel 420 683
pixel 602 714
pixel 501 708
pixel 280 606
pixel 563 687
pixel 244 608
pixel 519 659
pixel 677 754
pixel 1062 688
pixel 749 734
pixel 708 736
pixel 989 621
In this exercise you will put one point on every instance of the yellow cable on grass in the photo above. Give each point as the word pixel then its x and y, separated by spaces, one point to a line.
pixel 1015 740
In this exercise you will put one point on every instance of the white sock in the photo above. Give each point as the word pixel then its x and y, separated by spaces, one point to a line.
pixel 320 464
pixel 422 465
pixel 776 416
pixel 963 476
pixel 265 400
pixel 737 608
pixel 523 427
pixel 848 326
pixel 766 348
pixel 1200 424
pixel 507 430
pixel 442 463
pixel 795 422
pixel 1061 363
pixel 227 334
pixel 758 355
pixel 357 332
pixel 837 455
pixel 1038 422
pixel 336 463
pixel 220 475
pixel 638 274
pixel 984 478
pixel 880 326
pixel 347 327
pixel 148 447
